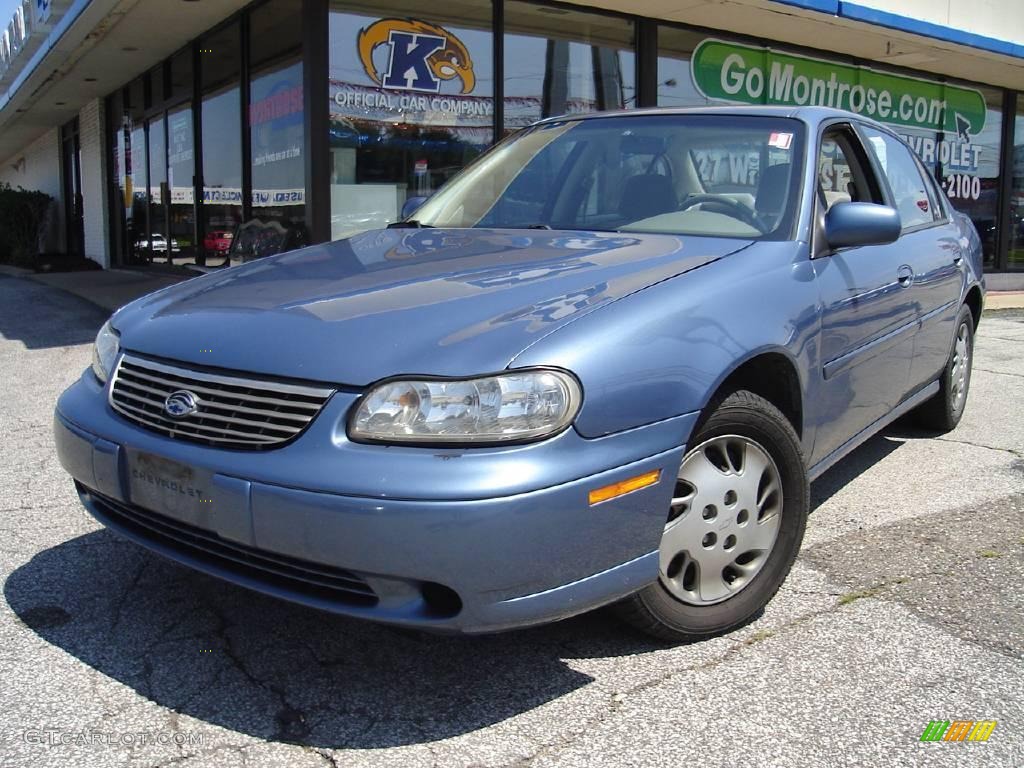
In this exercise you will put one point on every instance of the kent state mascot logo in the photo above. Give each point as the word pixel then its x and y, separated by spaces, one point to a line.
pixel 422 55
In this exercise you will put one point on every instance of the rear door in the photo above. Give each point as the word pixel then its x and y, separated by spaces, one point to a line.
pixel 868 315
pixel 931 246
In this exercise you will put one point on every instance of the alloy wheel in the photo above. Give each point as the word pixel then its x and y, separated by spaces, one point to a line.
pixel 961 366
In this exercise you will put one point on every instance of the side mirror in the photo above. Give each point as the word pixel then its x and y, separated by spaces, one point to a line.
pixel 848 225
pixel 410 206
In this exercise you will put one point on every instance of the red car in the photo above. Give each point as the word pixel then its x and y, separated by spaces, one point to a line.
pixel 218 240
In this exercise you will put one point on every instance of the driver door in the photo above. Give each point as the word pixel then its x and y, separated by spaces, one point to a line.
pixel 868 316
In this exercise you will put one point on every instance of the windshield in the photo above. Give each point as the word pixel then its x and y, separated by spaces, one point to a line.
pixel 721 175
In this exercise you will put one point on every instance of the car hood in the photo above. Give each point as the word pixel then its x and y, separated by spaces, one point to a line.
pixel 403 301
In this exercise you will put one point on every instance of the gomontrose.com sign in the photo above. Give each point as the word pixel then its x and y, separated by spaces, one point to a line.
pixel 751 75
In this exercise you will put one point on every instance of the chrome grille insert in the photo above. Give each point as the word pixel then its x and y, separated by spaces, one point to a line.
pixel 232 411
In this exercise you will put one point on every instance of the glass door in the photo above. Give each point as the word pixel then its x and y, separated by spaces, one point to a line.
pixel 137 210
pixel 164 247
pixel 73 217
pixel 181 185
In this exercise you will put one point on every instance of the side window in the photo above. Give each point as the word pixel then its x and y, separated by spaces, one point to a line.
pixel 841 176
pixel 909 188
pixel 935 196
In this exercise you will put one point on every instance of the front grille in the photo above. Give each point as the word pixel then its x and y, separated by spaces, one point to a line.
pixel 270 568
pixel 231 411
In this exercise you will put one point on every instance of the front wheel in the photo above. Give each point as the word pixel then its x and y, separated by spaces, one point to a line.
pixel 733 528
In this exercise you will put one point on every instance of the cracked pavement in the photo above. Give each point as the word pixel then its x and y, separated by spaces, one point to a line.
pixel 905 605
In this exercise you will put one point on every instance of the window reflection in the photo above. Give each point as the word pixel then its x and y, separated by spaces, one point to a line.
pixel 135 164
pixel 180 180
pixel 161 248
pixel 276 118
pixel 220 65
pixel 1015 257
pixel 968 171
pixel 559 62
pixel 410 104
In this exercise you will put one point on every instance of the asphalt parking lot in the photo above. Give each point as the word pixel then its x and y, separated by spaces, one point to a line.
pixel 906 605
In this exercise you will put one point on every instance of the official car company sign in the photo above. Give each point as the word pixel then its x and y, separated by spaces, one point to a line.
pixel 753 75
pixel 420 56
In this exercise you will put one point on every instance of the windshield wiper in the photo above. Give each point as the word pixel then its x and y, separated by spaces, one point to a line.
pixel 539 226
pixel 409 224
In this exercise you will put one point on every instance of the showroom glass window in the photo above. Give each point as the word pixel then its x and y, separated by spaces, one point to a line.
pixel 160 247
pixel 675 84
pixel 411 103
pixel 181 179
pixel 181 160
pixel 1015 257
pixel 560 61
pixel 117 177
pixel 220 63
pixel 967 167
pixel 276 121
pixel 136 162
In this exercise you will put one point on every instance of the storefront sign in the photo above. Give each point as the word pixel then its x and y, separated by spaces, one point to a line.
pixel 261 198
pixel 372 103
pixel 420 56
pixel 752 75
pixel 28 19
pixel 14 38
pixel 283 106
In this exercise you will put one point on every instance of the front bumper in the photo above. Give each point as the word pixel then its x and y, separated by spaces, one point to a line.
pixel 509 530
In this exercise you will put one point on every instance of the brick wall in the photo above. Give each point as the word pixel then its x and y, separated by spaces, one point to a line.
pixel 94 191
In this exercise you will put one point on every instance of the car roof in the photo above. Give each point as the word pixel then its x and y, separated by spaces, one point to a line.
pixel 811 115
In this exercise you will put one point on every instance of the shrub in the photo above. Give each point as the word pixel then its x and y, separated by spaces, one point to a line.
pixel 23 218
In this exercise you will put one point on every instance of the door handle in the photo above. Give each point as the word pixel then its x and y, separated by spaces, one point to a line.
pixel 905 276
pixel 958 260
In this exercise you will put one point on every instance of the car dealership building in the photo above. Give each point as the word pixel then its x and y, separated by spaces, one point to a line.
pixel 209 132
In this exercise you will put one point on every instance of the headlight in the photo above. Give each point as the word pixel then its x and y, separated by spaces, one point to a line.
pixel 515 406
pixel 104 351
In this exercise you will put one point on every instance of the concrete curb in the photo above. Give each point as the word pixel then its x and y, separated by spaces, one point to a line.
pixel 1004 300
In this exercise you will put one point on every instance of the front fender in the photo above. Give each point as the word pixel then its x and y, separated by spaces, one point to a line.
pixel 665 350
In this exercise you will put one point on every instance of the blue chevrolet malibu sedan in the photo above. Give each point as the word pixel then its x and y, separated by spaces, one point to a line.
pixel 600 366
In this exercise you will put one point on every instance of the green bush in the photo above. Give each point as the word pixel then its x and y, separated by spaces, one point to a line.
pixel 23 215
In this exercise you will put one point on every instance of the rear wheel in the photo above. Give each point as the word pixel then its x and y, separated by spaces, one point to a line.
pixel 943 412
pixel 733 528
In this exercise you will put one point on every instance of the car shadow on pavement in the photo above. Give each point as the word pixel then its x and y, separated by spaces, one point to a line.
pixel 277 671
pixel 69 320
pixel 874 450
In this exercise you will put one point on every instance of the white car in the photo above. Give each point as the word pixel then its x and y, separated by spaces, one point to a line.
pixel 159 244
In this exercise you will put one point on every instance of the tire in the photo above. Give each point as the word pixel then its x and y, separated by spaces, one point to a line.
pixel 742 433
pixel 943 412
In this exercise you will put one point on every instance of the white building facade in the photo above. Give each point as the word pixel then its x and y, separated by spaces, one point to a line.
pixel 176 134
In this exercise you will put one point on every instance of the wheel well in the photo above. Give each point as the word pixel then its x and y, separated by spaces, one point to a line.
pixel 973 301
pixel 773 377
